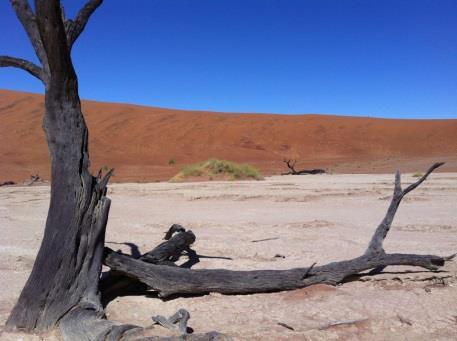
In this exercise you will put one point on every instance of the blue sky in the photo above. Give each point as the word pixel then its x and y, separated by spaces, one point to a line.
pixel 384 58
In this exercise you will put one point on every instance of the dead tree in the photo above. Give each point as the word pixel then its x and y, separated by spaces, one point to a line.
pixel 63 287
pixel 175 280
pixel 66 270
pixel 291 165
pixel 63 284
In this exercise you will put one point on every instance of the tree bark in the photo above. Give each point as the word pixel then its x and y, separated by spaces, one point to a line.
pixel 66 270
pixel 168 281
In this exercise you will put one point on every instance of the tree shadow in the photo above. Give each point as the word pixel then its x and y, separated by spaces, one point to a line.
pixel 134 249
pixel 194 258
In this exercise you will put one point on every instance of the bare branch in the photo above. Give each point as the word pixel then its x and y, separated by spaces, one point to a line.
pixel 422 179
pixel 75 27
pixel 28 21
pixel 33 69
pixel 290 164
pixel 380 234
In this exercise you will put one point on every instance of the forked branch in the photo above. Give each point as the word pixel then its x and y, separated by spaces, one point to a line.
pixel 291 165
pixel 380 234
pixel 75 27
pixel 44 43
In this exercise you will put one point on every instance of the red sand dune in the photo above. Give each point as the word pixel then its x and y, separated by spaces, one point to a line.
pixel 139 141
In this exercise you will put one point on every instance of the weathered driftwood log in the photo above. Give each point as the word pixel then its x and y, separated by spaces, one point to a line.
pixel 291 165
pixel 174 280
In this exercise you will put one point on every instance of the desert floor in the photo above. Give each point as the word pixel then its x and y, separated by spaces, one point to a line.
pixel 308 218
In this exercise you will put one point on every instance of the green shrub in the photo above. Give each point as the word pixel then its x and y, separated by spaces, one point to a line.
pixel 171 162
pixel 219 169
pixel 191 170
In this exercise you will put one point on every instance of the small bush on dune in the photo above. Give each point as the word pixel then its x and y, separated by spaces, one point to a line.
pixel 219 169
pixel 191 170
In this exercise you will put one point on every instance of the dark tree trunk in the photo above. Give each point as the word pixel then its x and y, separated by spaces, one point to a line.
pixel 68 264
pixel 63 285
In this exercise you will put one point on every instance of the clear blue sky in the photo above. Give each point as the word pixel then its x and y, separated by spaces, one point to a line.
pixel 385 58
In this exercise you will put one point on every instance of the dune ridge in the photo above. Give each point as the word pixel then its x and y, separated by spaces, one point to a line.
pixel 140 141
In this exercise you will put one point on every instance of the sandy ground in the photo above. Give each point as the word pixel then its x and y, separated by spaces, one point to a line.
pixel 308 218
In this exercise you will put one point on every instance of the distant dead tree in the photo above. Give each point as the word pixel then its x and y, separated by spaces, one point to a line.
pixel 64 286
pixel 291 165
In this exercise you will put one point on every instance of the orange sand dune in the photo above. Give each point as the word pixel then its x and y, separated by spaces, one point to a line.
pixel 139 141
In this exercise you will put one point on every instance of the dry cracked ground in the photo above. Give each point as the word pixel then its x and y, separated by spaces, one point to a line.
pixel 299 220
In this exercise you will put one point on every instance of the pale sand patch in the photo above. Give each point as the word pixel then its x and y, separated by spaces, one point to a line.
pixel 307 219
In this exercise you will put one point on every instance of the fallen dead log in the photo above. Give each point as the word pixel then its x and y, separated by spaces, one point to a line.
pixel 291 165
pixel 169 281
